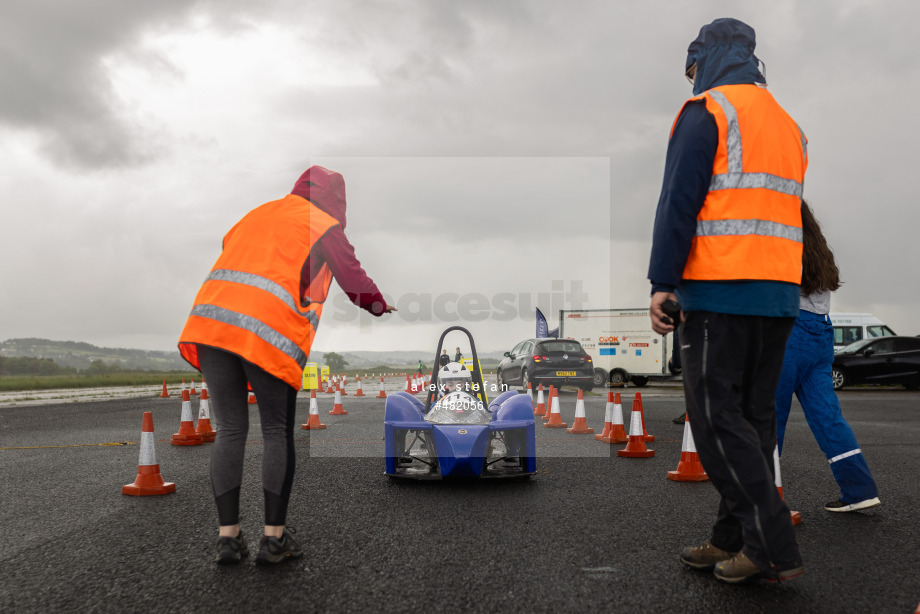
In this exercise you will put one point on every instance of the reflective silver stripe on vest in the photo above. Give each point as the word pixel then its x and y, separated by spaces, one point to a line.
pixel 736 178
pixel 257 327
pixel 804 142
pixel 761 228
pixel 263 283
pixel 733 136
pixel 743 181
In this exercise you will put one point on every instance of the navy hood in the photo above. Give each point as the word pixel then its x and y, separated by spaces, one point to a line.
pixel 325 189
pixel 724 55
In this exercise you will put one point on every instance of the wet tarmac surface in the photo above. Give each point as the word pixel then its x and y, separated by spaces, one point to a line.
pixel 589 532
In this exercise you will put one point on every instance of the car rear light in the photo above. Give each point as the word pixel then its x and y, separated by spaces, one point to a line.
pixel 586 358
pixel 540 358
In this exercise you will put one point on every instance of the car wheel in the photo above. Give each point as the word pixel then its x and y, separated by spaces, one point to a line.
pixel 600 378
pixel 498 381
pixel 839 378
pixel 639 380
pixel 525 377
pixel 618 377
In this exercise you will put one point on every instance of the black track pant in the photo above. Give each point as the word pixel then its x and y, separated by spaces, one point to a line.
pixel 731 369
pixel 227 375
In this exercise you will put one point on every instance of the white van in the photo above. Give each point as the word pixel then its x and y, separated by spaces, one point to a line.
pixel 852 327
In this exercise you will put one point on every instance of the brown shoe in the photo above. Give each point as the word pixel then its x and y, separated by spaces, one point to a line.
pixel 704 557
pixel 737 569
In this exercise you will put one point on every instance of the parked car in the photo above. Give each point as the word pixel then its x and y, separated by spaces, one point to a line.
pixel 886 360
pixel 547 361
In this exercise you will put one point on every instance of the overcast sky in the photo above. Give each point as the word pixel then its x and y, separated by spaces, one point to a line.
pixel 497 154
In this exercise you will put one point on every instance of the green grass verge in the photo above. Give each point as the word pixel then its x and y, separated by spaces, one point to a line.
pixel 11 383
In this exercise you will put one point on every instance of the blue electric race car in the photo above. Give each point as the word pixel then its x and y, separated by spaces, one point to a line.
pixel 456 432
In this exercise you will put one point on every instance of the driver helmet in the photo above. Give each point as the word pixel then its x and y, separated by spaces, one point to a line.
pixel 455 377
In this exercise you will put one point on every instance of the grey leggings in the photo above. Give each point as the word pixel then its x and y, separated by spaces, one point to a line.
pixel 226 375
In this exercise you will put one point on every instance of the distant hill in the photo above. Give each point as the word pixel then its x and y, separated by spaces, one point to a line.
pixel 80 355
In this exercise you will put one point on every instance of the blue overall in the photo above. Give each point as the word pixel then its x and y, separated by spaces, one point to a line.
pixel 807 373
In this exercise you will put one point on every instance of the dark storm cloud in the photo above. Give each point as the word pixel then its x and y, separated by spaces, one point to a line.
pixel 54 79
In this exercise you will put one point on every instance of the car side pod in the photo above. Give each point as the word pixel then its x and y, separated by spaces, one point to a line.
pixel 635 446
pixel 402 411
pixel 513 413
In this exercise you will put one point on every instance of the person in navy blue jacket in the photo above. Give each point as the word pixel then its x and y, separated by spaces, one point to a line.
pixel 733 329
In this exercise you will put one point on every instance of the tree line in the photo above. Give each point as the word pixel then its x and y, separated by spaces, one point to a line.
pixel 29 365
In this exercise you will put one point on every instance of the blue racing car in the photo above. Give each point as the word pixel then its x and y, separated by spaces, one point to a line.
pixel 456 432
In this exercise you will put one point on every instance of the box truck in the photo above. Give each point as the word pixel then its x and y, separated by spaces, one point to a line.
pixel 621 343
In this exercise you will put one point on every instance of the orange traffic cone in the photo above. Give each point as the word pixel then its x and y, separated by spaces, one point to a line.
pixel 608 417
pixel 148 480
pixel 165 393
pixel 540 409
pixel 549 402
pixel 617 432
pixel 533 403
pixel 555 418
pixel 689 469
pixel 337 409
pixel 383 391
pixel 408 385
pixel 313 422
pixel 186 435
pixel 182 388
pixel 330 389
pixel 192 390
pixel 635 446
pixel 204 417
pixel 645 436
pixel 796 516
pixel 580 426
pixel 360 392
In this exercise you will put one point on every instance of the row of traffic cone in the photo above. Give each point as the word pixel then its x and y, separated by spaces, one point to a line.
pixel 191 390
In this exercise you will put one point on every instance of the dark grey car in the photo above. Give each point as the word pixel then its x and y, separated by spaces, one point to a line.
pixel 547 361
pixel 887 360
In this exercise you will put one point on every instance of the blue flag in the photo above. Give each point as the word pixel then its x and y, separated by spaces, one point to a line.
pixel 542 327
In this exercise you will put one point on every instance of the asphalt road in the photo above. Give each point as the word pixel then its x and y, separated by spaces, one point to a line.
pixel 590 532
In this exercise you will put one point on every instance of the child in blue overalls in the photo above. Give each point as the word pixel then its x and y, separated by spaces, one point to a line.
pixel 807 373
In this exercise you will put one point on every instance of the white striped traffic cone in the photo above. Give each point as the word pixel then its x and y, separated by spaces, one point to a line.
pixel 148 480
pixel 580 425
pixel 186 435
pixel 313 422
pixel 617 432
pixel 555 418
pixel 337 409
pixel 383 391
pixel 360 392
pixel 689 469
pixel 635 446
pixel 203 427
pixel 796 516
pixel 540 408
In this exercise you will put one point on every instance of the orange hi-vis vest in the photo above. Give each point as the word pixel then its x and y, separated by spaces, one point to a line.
pixel 750 225
pixel 250 303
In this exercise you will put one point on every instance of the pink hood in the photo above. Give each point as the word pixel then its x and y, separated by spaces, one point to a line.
pixel 325 189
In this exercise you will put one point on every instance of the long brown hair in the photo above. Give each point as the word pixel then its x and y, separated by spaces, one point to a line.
pixel 819 270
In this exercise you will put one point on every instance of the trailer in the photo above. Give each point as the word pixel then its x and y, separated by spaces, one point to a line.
pixel 621 343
